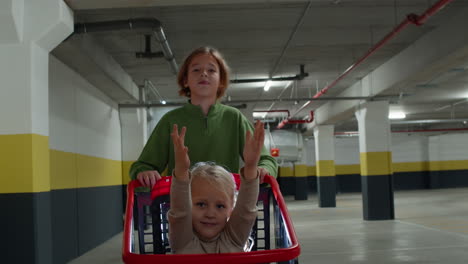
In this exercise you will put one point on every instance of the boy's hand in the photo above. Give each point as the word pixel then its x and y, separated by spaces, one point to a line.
pixel 252 149
pixel 148 178
pixel 182 160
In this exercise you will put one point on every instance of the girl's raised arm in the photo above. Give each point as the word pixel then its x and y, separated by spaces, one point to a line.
pixel 252 149
pixel 182 160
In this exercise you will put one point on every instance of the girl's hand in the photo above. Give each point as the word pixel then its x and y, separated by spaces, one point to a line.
pixel 252 149
pixel 182 160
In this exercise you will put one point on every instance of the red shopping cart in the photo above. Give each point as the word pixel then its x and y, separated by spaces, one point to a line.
pixel 146 230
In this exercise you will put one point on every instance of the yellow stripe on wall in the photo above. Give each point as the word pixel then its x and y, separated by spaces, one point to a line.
pixel 376 163
pixel 300 170
pixel 311 171
pixel 126 171
pixel 165 172
pixel 325 168
pixel 97 172
pixel 63 174
pixel 41 163
pixel 24 162
pixel 448 165
pixel 72 170
pixel 348 169
pixel 410 166
pixel 286 172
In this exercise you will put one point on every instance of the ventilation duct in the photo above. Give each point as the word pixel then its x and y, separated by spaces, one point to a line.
pixel 138 23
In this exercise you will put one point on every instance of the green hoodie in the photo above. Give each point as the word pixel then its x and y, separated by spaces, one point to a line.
pixel 217 137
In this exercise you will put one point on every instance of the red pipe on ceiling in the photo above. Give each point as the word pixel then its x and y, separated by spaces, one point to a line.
pixel 410 19
pixel 410 131
pixel 301 121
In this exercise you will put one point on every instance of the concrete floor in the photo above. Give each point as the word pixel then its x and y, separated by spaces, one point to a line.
pixel 431 226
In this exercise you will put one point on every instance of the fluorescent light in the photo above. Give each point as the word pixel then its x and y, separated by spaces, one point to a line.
pixel 259 114
pixel 267 86
pixel 163 102
pixel 396 115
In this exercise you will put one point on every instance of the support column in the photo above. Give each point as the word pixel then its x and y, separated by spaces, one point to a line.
pixel 29 30
pixel 325 162
pixel 376 161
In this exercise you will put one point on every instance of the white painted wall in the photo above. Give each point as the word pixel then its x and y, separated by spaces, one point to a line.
pixel 448 147
pixel 405 148
pixel 308 157
pixel 347 150
pixel 134 132
pixel 409 148
pixel 155 114
pixel 82 119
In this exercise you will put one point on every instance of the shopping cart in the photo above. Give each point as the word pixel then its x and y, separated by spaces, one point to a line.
pixel 146 214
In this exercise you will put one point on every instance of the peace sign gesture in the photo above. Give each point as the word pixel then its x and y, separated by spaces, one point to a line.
pixel 182 160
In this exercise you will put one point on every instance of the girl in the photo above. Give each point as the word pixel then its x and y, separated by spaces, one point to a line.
pixel 217 131
pixel 203 218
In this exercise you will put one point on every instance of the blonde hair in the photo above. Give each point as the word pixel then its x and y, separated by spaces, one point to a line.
pixel 223 68
pixel 215 175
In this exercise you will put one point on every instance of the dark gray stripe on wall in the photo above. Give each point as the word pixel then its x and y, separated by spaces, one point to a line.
pixel 348 183
pixel 287 185
pixel 43 227
pixel 411 180
pixel 25 228
pixel 84 218
pixel 302 188
pixel 448 179
pixel 65 225
pixel 377 197
pixel 100 215
pixel 326 187
pixel 312 182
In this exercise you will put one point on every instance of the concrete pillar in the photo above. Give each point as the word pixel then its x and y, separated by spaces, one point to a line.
pixel 376 161
pixel 325 164
pixel 29 30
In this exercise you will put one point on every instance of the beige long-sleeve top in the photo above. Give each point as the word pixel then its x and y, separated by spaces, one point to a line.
pixel 183 239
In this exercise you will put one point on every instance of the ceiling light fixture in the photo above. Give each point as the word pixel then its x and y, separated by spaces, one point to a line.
pixel 267 86
pixel 260 115
pixel 163 102
pixel 396 115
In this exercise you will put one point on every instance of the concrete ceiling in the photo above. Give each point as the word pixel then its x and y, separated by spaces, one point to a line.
pixel 262 39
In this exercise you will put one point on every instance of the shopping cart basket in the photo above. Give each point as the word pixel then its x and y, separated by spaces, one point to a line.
pixel 146 230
